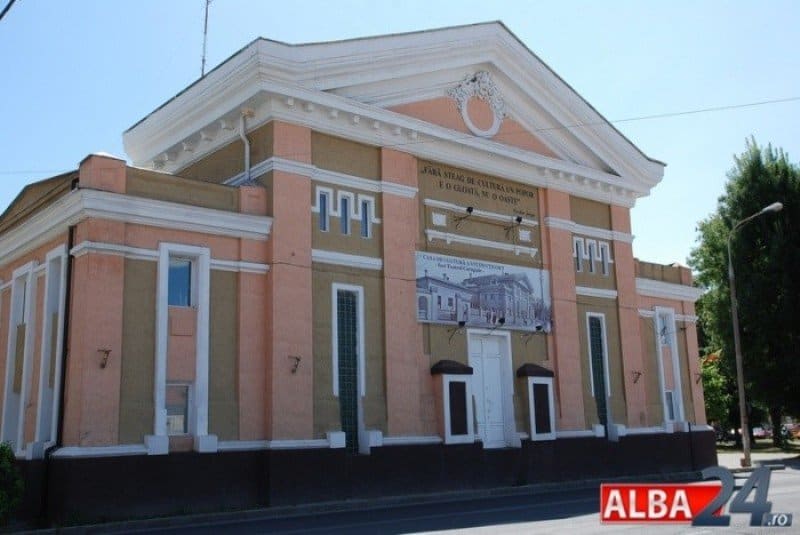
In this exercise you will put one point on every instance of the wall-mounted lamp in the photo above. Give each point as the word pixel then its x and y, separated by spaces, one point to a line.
pixel 500 323
pixel 296 364
pixel 515 222
pixel 104 358
pixel 455 330
pixel 460 219
pixel 636 376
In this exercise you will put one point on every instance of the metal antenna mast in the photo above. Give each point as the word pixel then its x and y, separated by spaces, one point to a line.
pixel 205 39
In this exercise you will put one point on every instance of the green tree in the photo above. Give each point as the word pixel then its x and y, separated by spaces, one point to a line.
pixel 766 258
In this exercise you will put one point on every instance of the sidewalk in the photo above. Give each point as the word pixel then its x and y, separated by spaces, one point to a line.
pixel 731 459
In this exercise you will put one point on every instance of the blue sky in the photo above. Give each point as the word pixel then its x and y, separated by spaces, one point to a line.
pixel 75 74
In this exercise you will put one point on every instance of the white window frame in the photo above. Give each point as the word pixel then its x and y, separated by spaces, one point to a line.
pixel 591 250
pixel 536 436
pixel 193 277
pixel 23 310
pixel 55 273
pixel 369 200
pixel 671 339
pixel 345 220
pixel 359 291
pixel 449 438
pixel 328 194
pixel 158 443
pixel 189 406
pixel 578 252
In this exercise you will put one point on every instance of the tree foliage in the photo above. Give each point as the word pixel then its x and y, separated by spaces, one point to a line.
pixel 766 259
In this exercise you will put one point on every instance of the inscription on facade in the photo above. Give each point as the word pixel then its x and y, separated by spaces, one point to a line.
pixel 520 199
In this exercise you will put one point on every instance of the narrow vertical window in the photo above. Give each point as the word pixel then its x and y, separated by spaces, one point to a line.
pixel 180 282
pixel 604 258
pixel 577 244
pixel 323 211
pixel 365 219
pixel 592 253
pixel 344 215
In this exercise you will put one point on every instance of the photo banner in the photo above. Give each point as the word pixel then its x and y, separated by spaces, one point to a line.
pixel 482 294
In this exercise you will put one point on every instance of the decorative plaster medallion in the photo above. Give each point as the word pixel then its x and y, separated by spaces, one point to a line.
pixel 479 85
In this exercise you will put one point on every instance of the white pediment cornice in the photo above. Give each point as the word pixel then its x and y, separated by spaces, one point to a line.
pixel 342 88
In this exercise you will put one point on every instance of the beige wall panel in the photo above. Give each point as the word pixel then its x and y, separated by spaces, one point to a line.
pixel 608 307
pixel 223 398
pixel 152 185
pixel 36 363
pixel 138 352
pixel 5 298
pixel 590 213
pixel 345 156
pixel 228 161
pixel 326 406
pixel 687 381
pixel 19 357
pixel 659 272
pixel 655 408
pixel 597 279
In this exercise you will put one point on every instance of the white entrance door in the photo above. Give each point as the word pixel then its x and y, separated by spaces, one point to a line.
pixel 486 359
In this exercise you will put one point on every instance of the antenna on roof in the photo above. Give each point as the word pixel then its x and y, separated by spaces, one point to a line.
pixel 205 39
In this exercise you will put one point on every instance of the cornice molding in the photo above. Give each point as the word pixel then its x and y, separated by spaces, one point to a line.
pixel 324 175
pixel 80 204
pixel 602 293
pixel 343 259
pixel 667 290
pixel 493 216
pixel 449 237
pixel 686 318
pixel 592 232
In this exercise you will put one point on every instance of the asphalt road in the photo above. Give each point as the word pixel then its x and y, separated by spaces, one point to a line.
pixel 574 511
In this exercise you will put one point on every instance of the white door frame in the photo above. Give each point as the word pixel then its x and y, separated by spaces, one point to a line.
pixel 506 383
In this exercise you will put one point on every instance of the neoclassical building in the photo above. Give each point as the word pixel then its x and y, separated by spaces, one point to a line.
pixel 348 269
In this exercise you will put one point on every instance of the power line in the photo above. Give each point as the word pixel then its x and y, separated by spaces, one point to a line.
pixel 5 9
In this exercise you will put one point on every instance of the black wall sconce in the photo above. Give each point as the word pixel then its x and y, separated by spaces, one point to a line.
pixel 104 359
pixel 460 219
pixel 500 323
pixel 296 364
pixel 515 222
pixel 455 330
pixel 636 376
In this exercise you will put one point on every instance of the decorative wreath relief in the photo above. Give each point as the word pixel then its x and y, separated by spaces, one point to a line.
pixel 479 85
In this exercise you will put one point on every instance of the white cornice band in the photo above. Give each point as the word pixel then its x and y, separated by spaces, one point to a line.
pixel 79 204
pixel 349 260
pixel 687 318
pixel 667 290
pixel 602 293
pixel 494 216
pixel 323 175
pixel 449 237
pixel 592 232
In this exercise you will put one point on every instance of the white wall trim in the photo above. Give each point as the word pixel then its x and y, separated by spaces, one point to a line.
pixel 535 435
pixel 326 176
pixel 101 451
pixel 591 232
pixel 411 440
pixel 654 430
pixel 685 318
pixel 449 238
pixel 667 290
pixel 493 216
pixel 239 266
pixel 469 436
pixel 588 291
pixel 79 204
pixel 343 259
pixel 675 354
pixel 252 445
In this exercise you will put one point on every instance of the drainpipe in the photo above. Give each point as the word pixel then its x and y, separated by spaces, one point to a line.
pixel 246 112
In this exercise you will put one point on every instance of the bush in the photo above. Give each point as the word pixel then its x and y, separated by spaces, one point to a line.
pixel 11 486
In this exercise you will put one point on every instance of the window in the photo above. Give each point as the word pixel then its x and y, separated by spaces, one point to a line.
pixel 344 215
pixel 541 408
pixel 592 247
pixel 322 205
pixel 598 364
pixel 180 282
pixel 577 244
pixel 366 219
pixel 458 417
pixel 177 409
pixel 670 403
pixel 450 302
pixel 604 258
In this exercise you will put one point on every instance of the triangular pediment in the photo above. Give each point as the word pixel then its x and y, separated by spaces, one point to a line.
pixel 472 88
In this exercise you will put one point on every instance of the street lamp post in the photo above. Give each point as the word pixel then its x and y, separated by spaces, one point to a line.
pixel 774 207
